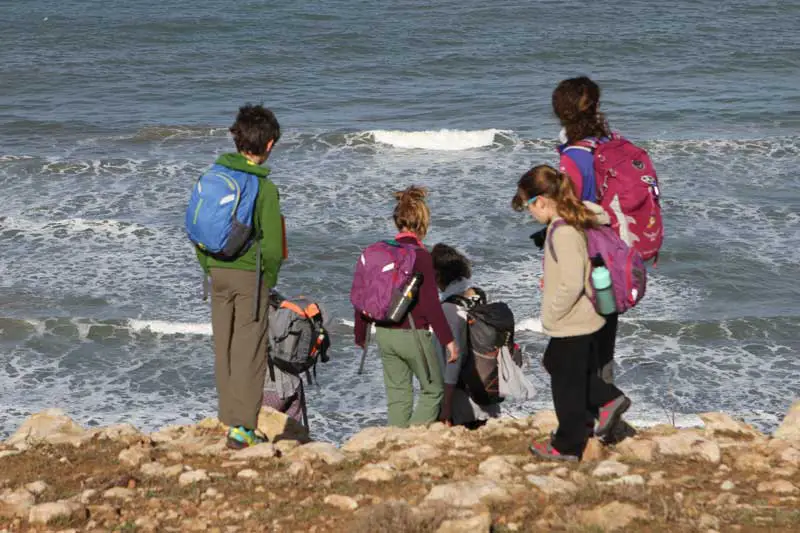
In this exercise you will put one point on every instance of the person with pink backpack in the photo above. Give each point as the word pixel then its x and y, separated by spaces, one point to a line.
pixel 570 307
pixel 609 170
pixel 394 287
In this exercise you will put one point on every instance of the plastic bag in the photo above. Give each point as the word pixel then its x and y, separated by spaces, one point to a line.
pixel 513 383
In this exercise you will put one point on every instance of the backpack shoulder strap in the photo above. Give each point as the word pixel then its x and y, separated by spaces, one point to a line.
pixel 588 144
pixel 459 300
pixel 550 246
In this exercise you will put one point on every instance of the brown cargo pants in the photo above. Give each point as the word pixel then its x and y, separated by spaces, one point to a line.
pixel 240 345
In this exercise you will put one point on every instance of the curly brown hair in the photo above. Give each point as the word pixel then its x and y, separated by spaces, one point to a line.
pixel 576 103
pixel 411 211
pixel 544 180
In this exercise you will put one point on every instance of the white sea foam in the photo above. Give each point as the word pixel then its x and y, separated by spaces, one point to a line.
pixel 171 328
pixel 530 324
pixel 75 226
pixel 436 139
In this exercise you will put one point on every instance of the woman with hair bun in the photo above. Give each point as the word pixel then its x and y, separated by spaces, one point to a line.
pixel 403 356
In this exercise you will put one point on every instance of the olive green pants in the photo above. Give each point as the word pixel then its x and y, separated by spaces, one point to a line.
pixel 240 345
pixel 402 360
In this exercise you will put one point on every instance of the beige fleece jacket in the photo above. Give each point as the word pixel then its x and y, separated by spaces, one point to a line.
pixel 566 310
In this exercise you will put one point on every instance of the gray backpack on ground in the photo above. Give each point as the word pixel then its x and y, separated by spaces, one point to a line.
pixel 297 337
pixel 297 340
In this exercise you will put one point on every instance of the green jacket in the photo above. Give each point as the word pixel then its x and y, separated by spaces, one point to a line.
pixel 266 217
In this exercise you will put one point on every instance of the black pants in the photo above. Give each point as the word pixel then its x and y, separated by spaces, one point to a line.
pixel 573 364
pixel 606 343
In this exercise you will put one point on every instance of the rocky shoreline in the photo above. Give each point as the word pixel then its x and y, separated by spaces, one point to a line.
pixel 726 476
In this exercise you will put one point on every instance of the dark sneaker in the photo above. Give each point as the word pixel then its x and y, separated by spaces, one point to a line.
pixel 240 437
pixel 610 414
pixel 621 431
pixel 545 450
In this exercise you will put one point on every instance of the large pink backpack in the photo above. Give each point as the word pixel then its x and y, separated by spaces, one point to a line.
pixel 627 188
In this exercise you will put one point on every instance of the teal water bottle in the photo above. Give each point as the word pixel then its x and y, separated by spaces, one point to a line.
pixel 603 290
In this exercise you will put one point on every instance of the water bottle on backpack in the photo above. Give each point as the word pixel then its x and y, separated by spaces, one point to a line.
pixel 403 300
pixel 603 290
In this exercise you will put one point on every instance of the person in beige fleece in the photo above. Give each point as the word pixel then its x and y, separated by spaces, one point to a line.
pixel 568 316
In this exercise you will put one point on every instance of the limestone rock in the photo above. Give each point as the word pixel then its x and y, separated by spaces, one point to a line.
pixel 9 453
pixel 278 426
pixel 367 439
pixel 119 493
pixel 610 468
pixel 657 479
pixel 632 480
pixel 158 470
pixel 780 486
pixel 216 447
pixel 86 496
pixel 688 444
pixel 791 456
pixel 146 523
pixel 784 471
pixel 191 444
pixel 376 473
pixel 544 422
pixel 727 485
pixel 247 473
pixel 37 488
pixel 175 455
pixel 790 427
pixel 594 451
pixel 722 423
pixel 708 521
pixel 48 425
pixel 259 451
pixel 318 451
pixel 497 467
pixel 134 456
pixel 414 456
pixel 611 516
pixel 468 493
pixel 103 512
pixel 345 503
pixel 552 484
pixel 193 476
pixel 66 439
pixel 287 445
pixel 212 423
pixel 299 469
pixel 639 449
pixel 753 462
pixel 16 503
pixel 195 524
pixel 117 432
pixel 481 523
pixel 45 512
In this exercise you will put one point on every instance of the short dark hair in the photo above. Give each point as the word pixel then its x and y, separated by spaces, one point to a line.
pixel 255 126
pixel 450 264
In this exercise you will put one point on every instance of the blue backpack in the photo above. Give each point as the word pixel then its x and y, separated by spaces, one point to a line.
pixel 219 217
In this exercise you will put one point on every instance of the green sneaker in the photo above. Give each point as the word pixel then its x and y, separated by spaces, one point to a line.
pixel 241 437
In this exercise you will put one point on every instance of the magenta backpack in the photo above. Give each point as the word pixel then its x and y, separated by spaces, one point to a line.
pixel 381 272
pixel 627 188
pixel 624 263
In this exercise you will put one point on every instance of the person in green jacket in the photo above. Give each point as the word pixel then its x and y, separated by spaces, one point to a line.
pixel 240 335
